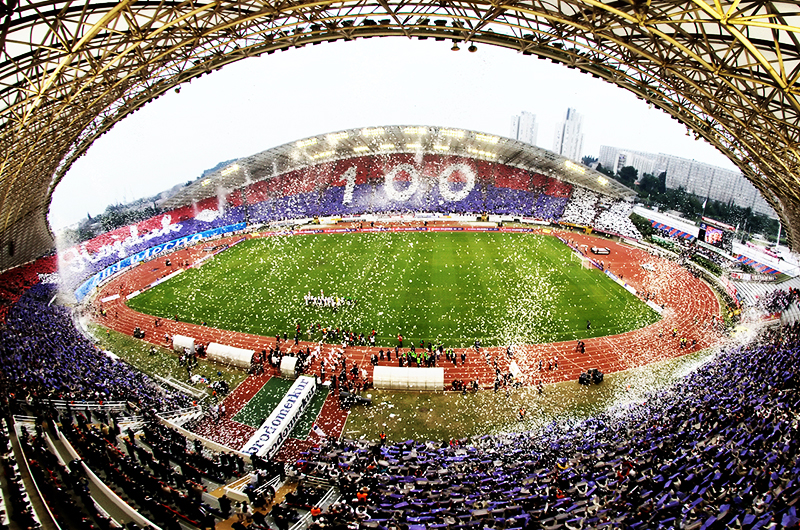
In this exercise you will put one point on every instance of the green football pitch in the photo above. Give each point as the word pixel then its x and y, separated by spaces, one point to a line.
pixel 451 287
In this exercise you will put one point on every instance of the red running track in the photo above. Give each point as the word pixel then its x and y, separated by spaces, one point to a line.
pixel 689 307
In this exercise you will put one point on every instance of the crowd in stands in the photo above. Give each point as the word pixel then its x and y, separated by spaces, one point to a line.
pixel 581 210
pixel 14 282
pixel 194 461
pixel 716 450
pixel 587 208
pixel 65 489
pixel 154 487
pixel 81 261
pixel 779 299
pixel 17 506
pixel 302 194
pixel 43 356
pixel 616 219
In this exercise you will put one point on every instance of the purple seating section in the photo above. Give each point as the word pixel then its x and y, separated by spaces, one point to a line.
pixel 321 189
pixel 42 354
pixel 716 450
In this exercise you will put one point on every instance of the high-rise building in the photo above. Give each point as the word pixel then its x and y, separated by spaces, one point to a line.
pixel 569 138
pixel 698 178
pixel 524 128
pixel 614 159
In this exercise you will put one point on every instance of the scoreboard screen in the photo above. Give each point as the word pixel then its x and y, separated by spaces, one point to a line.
pixel 718 237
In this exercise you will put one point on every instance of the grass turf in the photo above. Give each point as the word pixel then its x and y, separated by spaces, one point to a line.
pixel 446 415
pixel 449 287
pixel 155 360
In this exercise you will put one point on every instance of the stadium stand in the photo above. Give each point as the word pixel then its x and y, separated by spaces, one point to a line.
pixel 718 449
pixel 68 497
pixel 45 357
pixel 581 209
pixel 17 506
pixel 751 293
pixel 323 191
pixel 616 220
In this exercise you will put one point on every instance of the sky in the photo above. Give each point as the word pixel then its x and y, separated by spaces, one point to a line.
pixel 260 103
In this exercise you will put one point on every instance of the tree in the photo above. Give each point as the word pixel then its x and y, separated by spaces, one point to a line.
pixel 648 184
pixel 628 175
pixel 588 160
pixel 642 225
pixel 662 182
pixel 604 171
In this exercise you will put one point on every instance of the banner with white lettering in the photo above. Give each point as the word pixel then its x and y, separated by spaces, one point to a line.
pixel 151 253
pixel 268 439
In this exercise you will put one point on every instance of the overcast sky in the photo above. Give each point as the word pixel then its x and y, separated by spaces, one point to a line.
pixel 264 102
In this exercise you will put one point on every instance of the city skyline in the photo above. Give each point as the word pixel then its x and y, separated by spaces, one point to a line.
pixel 264 102
pixel 701 179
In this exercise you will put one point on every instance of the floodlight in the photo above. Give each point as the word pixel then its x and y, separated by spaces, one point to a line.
pixel 323 154
pixel 453 133
pixel 575 167
pixel 228 170
pixel 487 138
pixel 333 138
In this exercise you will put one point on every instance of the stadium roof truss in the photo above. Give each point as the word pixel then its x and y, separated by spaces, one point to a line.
pixel 71 69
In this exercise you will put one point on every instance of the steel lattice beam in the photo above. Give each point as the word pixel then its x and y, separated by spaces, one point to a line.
pixel 71 69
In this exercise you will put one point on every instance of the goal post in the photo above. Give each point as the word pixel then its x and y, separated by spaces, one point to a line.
pixel 585 262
